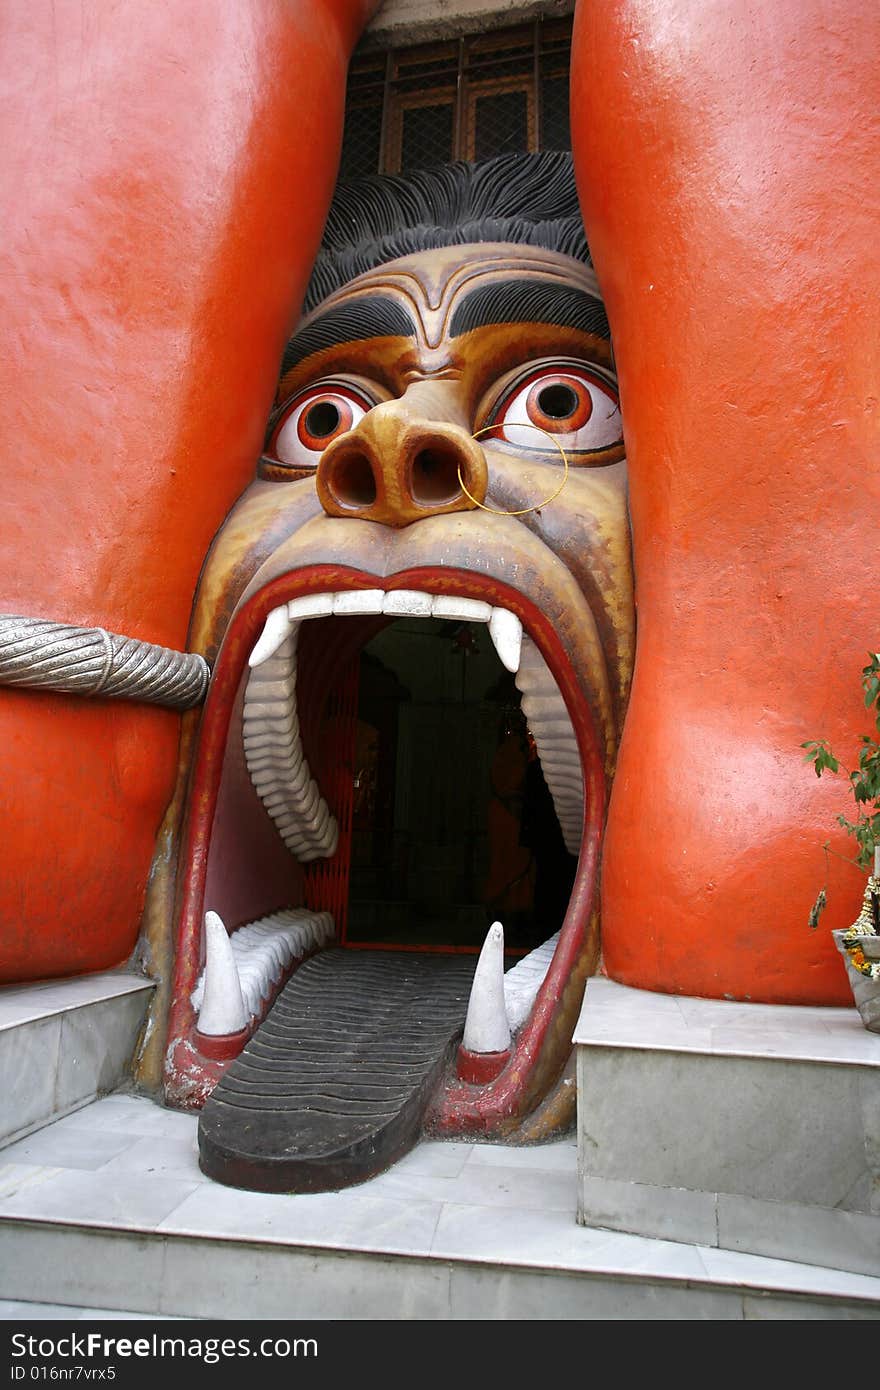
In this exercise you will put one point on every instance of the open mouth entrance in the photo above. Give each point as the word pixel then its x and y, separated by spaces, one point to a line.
pixel 403 765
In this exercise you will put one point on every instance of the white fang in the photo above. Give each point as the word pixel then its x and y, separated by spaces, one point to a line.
pixel 223 1009
pixel 275 630
pixel 505 629
pixel 486 1028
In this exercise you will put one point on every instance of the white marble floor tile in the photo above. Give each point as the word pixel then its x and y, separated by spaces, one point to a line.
pixel 487 1186
pixel 358 1219
pixel 737 1267
pixel 129 1200
pixel 559 1156
pixel 67 1147
pixel 162 1156
pixel 616 1016
pixel 549 1241
pixel 14 1177
pixel 729 1013
pixel 665 1259
pixel 436 1158
pixel 133 1115
pixel 23 1003
pixel 499 1235
pixel 798 1043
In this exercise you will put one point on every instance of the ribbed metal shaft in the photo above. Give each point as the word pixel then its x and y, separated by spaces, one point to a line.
pixel 89 661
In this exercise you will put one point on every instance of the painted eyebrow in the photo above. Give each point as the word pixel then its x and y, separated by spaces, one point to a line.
pixel 530 301
pixel 373 316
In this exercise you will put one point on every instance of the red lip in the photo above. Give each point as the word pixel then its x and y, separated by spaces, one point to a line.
pixel 462 1108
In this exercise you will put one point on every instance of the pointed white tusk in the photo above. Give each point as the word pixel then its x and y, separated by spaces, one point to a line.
pixel 505 629
pixel 486 1028
pixel 275 630
pixel 223 1009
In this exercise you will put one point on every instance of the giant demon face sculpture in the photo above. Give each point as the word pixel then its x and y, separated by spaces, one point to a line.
pixel 446 443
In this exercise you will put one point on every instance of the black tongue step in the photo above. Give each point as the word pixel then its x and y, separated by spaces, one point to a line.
pixel 333 1086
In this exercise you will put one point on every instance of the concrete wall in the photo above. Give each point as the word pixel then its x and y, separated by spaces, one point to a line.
pixel 421 21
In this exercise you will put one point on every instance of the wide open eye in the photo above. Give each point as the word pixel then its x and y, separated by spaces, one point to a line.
pixel 313 419
pixel 574 405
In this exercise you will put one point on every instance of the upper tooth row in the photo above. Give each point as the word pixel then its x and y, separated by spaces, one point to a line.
pixel 505 627
pixel 552 730
pixel 275 759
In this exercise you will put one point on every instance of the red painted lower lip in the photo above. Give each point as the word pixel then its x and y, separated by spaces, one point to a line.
pixel 464 1108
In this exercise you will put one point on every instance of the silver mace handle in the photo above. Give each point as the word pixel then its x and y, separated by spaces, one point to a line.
pixel 42 655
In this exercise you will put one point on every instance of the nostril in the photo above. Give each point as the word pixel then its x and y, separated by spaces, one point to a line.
pixel 435 476
pixel 351 480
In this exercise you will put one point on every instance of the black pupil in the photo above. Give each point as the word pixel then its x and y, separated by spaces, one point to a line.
pixel 558 401
pixel 322 418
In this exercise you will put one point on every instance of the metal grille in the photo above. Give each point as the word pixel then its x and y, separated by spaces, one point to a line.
pixel 426 133
pixel 362 137
pixel 481 96
pixel 501 124
pixel 360 147
pixel 555 125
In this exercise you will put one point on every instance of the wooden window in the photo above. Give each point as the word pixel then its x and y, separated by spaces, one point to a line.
pixel 488 94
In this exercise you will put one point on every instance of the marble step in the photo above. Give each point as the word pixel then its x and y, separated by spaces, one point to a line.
pixel 64 1042
pixel 107 1209
pixel 744 1127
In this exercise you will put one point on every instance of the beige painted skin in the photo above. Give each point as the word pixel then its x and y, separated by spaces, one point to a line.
pixel 432 382
pixel 570 557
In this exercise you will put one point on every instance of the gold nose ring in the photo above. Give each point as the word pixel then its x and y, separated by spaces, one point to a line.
pixel 522 511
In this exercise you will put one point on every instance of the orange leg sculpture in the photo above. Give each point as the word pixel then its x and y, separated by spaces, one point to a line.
pixel 165 194
pixel 728 165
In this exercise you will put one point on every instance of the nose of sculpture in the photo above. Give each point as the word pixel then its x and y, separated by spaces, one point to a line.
pixel 399 465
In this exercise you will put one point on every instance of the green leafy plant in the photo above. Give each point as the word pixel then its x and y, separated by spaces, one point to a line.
pixel 864 780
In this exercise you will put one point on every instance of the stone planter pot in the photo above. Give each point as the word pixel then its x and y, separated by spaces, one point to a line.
pixel 866 992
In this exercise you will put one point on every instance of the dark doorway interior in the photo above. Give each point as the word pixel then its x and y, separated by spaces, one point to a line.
pixel 453 825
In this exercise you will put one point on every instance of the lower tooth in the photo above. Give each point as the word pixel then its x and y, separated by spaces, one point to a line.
pixel 486 1028
pixel 551 728
pixel 523 980
pixel 223 1008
